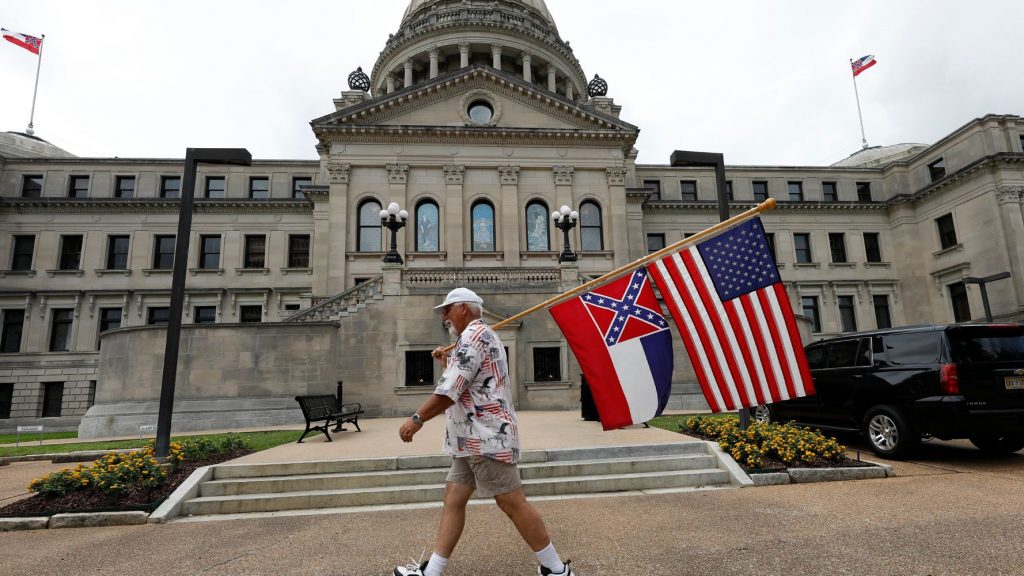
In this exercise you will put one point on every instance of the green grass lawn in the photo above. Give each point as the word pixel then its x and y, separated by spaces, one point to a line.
pixel 256 440
pixel 672 422
pixel 29 437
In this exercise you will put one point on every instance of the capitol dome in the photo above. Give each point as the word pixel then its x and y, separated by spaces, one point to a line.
pixel 878 156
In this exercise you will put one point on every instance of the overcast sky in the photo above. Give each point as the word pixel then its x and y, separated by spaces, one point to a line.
pixel 762 82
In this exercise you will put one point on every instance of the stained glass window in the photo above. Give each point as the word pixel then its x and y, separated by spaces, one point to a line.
pixel 427 223
pixel 537 238
pixel 483 227
pixel 591 236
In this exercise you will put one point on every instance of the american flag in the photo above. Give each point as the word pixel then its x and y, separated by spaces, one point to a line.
pixel 30 43
pixel 863 63
pixel 727 300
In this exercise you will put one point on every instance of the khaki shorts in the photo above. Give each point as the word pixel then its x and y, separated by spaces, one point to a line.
pixel 491 477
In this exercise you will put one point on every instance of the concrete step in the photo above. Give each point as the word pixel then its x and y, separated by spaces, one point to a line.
pixel 311 499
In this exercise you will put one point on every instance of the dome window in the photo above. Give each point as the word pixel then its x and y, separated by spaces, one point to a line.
pixel 480 112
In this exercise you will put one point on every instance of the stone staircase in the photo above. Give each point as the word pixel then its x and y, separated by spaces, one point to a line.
pixel 344 304
pixel 418 481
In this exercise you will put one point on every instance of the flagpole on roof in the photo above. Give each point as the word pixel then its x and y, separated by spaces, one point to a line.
pixel 863 138
pixel 39 65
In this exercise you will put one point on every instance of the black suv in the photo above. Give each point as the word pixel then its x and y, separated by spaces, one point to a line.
pixel 897 386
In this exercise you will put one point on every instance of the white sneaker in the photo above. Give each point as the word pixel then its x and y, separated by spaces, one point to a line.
pixel 567 571
pixel 411 569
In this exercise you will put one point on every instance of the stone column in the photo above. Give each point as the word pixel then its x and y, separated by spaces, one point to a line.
pixel 527 61
pixel 408 72
pixel 463 54
pixel 398 179
pixel 391 83
pixel 564 197
pixel 433 62
pixel 496 56
pixel 1012 215
pixel 625 226
pixel 568 88
pixel 330 231
pixel 456 217
pixel 551 78
pixel 511 219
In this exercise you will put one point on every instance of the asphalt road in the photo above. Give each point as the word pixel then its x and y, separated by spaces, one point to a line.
pixel 949 511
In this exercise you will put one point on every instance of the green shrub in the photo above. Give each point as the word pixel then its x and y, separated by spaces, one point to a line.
pixel 752 447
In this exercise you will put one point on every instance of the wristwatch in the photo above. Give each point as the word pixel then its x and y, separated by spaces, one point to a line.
pixel 416 419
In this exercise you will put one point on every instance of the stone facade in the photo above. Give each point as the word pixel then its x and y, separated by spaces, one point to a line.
pixel 479 125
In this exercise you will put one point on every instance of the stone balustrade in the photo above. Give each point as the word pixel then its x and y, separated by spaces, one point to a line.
pixel 483 277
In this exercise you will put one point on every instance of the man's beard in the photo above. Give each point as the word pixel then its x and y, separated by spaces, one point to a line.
pixel 450 328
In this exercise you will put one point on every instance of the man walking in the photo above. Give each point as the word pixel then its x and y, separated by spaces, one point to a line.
pixel 481 435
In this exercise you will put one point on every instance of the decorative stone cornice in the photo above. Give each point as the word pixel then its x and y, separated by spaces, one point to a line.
pixel 339 171
pixel 977 169
pixel 150 206
pixel 678 206
pixel 453 174
pixel 398 173
pixel 1009 194
pixel 508 174
pixel 563 175
pixel 616 176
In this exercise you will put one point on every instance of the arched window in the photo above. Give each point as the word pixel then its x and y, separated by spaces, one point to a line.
pixel 482 227
pixel 591 235
pixel 427 222
pixel 537 227
pixel 369 227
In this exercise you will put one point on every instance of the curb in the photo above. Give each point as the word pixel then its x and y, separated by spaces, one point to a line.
pixel 83 520
pixel 63 457
pixel 171 508
pixel 808 475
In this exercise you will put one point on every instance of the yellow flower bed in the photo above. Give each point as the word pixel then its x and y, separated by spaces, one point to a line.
pixel 759 443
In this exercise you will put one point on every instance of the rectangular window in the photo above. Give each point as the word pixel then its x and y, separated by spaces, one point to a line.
pixel 259 187
pixel 124 187
pixel 78 187
pixel 255 251
pixel 31 186
pixel 6 396
pixel 53 397
pixel 872 247
pixel 209 251
pixel 947 231
pixel 298 251
pixel 204 315
pixel 547 364
pixel 170 186
pixel 163 252
pixel 864 191
pixel 883 318
pixel 837 245
pixel 771 245
pixel 688 189
pixel 796 191
pixel 24 246
pixel 157 315
pixel 419 368
pixel 828 192
pixel 215 187
pixel 655 187
pixel 110 318
pixel 760 190
pixel 60 329
pixel 937 169
pixel 117 252
pixel 802 244
pixel 728 190
pixel 655 242
pixel 961 305
pixel 847 316
pixel 810 304
pixel 14 326
pixel 298 183
pixel 251 313
pixel 70 252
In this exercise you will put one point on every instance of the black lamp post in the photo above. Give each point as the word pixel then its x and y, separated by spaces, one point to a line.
pixel 984 292
pixel 193 157
pixel 565 219
pixel 393 219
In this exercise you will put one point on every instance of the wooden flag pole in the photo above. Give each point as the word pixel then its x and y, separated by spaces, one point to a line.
pixel 768 204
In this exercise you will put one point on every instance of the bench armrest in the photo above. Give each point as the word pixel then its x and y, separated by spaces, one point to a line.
pixel 353 407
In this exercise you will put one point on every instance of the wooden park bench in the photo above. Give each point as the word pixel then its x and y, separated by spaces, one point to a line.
pixel 327 409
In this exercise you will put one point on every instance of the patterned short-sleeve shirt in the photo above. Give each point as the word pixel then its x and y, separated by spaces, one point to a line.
pixel 482 422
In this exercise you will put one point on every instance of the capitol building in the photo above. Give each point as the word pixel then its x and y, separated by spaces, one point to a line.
pixel 479 121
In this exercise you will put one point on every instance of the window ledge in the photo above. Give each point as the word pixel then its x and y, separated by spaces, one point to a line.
pixel 780 265
pixel 950 250
pixel 842 264
pixel 415 390
pixel 807 265
pixel 157 271
pixel 483 255
pixel 439 256
pixel 263 271
pixel 206 271
pixel 353 256
pixel 547 385
pixel 606 254
pixel 540 255
pixel 878 265
pixel 297 270
pixel 28 273
pixel 52 273
pixel 113 272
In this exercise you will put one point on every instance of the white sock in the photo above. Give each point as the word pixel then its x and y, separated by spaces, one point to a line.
pixel 550 560
pixel 436 565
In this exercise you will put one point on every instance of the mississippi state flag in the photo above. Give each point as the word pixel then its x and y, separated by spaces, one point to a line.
pixel 861 64
pixel 727 300
pixel 30 43
pixel 624 345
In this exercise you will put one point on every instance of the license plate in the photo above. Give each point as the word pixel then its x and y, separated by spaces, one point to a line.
pixel 1015 382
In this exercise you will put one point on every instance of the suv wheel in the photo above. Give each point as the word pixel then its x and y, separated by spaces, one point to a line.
pixel 995 443
pixel 889 433
pixel 763 414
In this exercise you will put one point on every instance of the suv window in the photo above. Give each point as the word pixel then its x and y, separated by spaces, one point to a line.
pixel 916 348
pixel 864 352
pixel 816 357
pixel 987 344
pixel 843 354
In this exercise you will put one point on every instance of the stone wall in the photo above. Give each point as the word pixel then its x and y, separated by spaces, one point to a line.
pixel 28 379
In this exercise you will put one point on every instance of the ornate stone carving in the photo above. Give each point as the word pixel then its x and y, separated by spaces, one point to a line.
pixel 1009 194
pixel 398 173
pixel 508 174
pixel 563 175
pixel 453 174
pixel 616 176
pixel 339 172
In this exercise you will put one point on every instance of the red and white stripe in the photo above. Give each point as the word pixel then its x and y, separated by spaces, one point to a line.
pixel 742 350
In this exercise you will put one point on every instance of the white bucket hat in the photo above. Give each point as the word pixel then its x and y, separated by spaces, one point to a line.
pixel 460 295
